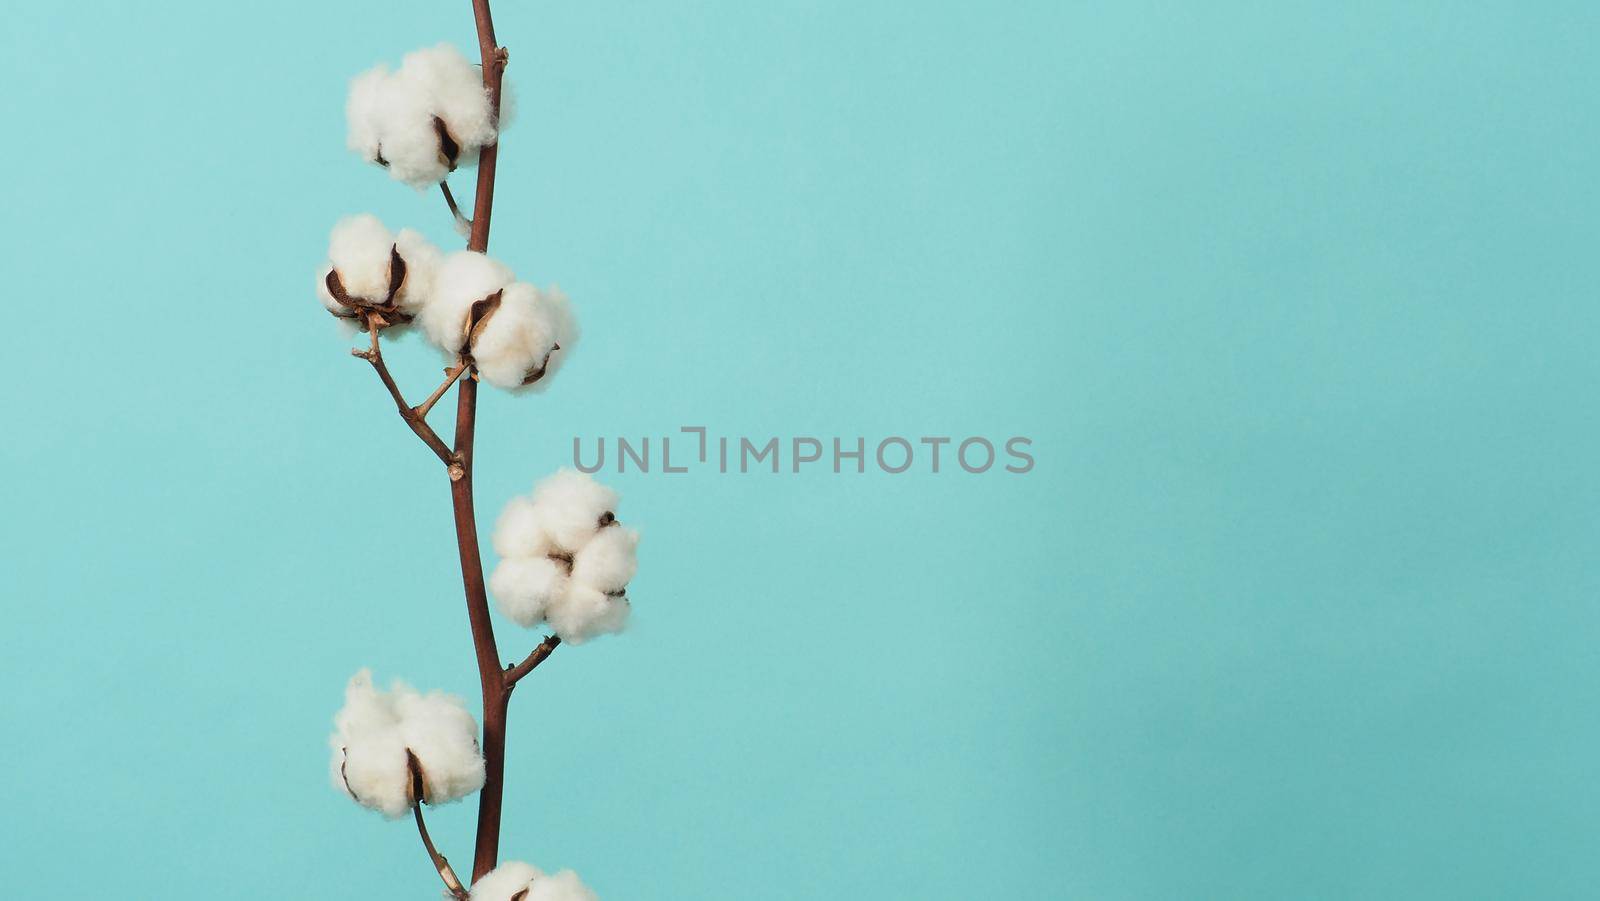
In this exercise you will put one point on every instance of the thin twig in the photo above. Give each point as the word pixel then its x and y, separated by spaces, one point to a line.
pixel 421 410
pixel 450 199
pixel 374 355
pixel 514 674
pixel 451 881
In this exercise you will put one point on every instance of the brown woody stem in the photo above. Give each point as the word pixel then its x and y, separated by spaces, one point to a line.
pixel 514 674
pixel 451 375
pixel 490 676
pixel 451 881
pixel 450 200
pixel 374 355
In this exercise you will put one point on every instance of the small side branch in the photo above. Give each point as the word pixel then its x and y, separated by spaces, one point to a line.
pixel 515 673
pixel 417 422
pixel 451 374
pixel 452 883
pixel 463 224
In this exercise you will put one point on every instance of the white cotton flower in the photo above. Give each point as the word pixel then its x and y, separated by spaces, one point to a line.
pixel 515 334
pixel 565 559
pixel 517 881
pixel 374 732
pixel 423 120
pixel 373 271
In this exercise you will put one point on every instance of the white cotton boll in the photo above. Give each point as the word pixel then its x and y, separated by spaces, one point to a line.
pixel 422 267
pixel 359 250
pixel 516 340
pixel 437 728
pixel 519 532
pixel 395 118
pixel 609 560
pixel 565 559
pixel 464 278
pixel 584 612
pixel 369 756
pixel 508 108
pixel 373 771
pixel 391 123
pixel 363 112
pixel 573 503
pixel 455 93
pixel 525 587
pixel 411 148
pixel 562 886
pixel 361 253
pixel 374 731
pixel 504 881
pixel 558 312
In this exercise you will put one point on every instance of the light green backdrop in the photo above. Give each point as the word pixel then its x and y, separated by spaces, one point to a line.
pixel 1297 301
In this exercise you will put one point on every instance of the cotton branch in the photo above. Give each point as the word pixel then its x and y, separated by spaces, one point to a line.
pixel 451 881
pixel 514 674
pixel 451 374
pixel 416 420
pixel 450 199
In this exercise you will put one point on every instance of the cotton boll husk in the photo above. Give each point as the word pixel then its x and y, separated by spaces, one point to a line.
pixel 524 588
pixel 609 560
pixel 572 504
pixel 584 612
pixel 562 886
pixel 516 339
pixel 437 728
pixel 504 881
pixel 464 278
pixel 359 250
pixel 519 532
pixel 328 303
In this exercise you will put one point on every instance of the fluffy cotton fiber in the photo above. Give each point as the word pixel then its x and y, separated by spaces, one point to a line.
pixel 523 882
pixel 375 729
pixel 516 341
pixel 362 267
pixel 423 120
pixel 565 560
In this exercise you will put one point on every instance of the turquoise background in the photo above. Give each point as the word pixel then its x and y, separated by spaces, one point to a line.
pixel 1297 302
